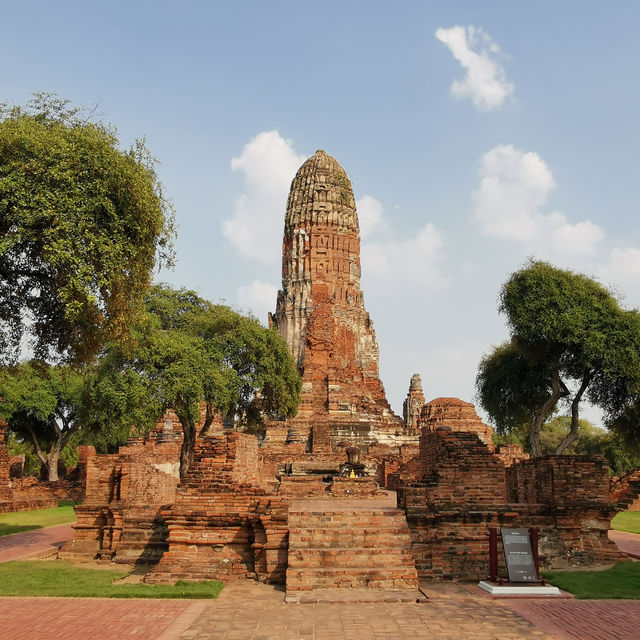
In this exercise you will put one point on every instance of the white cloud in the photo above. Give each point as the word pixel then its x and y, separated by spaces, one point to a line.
pixel 370 216
pixel 258 297
pixel 514 186
pixel 622 271
pixel 485 82
pixel 416 260
pixel 268 163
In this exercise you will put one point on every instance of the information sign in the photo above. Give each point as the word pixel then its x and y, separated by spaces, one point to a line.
pixel 518 555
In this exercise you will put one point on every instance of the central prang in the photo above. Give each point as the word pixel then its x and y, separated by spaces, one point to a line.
pixel 320 313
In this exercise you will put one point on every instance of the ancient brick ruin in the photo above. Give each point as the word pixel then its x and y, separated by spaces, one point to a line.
pixel 309 504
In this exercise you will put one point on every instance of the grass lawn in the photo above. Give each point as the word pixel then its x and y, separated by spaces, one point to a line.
pixel 620 581
pixel 627 521
pixel 19 521
pixel 60 578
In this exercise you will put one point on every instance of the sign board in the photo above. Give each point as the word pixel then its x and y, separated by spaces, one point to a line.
pixel 518 555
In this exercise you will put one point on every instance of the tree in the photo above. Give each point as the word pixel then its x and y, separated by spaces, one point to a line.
pixel 570 339
pixel 43 404
pixel 81 226
pixel 190 351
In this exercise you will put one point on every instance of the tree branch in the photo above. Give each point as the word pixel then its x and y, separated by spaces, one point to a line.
pixel 39 452
pixel 557 391
pixel 210 415
pixel 572 436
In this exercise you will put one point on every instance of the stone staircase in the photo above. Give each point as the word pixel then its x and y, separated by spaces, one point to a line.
pixel 349 550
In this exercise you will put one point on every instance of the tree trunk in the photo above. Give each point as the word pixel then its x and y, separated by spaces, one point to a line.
pixel 557 387
pixel 572 436
pixel 188 448
pixel 52 463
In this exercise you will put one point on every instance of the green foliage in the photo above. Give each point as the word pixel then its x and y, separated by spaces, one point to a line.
pixel 592 441
pixel 81 224
pixel 628 521
pixel 19 521
pixel 189 351
pixel 20 446
pixel 511 387
pixel 569 340
pixel 62 579
pixel 620 581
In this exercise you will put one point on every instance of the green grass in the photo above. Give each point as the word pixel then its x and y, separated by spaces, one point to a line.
pixel 627 521
pixel 60 578
pixel 620 581
pixel 19 521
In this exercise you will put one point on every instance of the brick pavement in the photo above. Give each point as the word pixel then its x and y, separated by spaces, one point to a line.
pixel 627 542
pixel 582 619
pixel 95 618
pixel 36 543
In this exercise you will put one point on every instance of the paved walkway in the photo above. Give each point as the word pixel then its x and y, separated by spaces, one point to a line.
pixel 253 611
pixel 34 544
pixel 582 619
pixel 627 542
pixel 96 618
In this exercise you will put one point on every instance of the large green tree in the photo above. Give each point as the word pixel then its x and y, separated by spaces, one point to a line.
pixel 188 352
pixel 570 340
pixel 81 226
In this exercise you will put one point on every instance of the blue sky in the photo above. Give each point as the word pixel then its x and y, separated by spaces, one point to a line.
pixel 513 133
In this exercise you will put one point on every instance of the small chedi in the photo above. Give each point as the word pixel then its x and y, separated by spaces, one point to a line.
pixel 282 508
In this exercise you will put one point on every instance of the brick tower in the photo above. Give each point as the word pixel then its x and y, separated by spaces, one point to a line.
pixel 320 312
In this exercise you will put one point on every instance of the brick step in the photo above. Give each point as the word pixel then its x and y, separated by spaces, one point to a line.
pixel 350 578
pixel 353 596
pixel 347 547
pixel 357 523
pixel 332 557
pixel 370 539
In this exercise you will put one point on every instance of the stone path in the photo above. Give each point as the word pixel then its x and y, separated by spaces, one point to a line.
pixel 34 544
pixel 252 611
pixel 96 618
pixel 627 542
pixel 582 619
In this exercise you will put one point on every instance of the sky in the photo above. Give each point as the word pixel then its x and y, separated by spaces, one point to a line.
pixel 476 135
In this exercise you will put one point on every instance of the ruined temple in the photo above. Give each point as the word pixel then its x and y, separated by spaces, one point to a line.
pixel 346 495
pixel 320 312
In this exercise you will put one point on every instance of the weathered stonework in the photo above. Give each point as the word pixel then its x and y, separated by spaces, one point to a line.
pixel 320 312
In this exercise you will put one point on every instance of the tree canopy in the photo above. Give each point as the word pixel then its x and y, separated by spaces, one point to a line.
pixel 570 339
pixel 188 352
pixel 81 226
